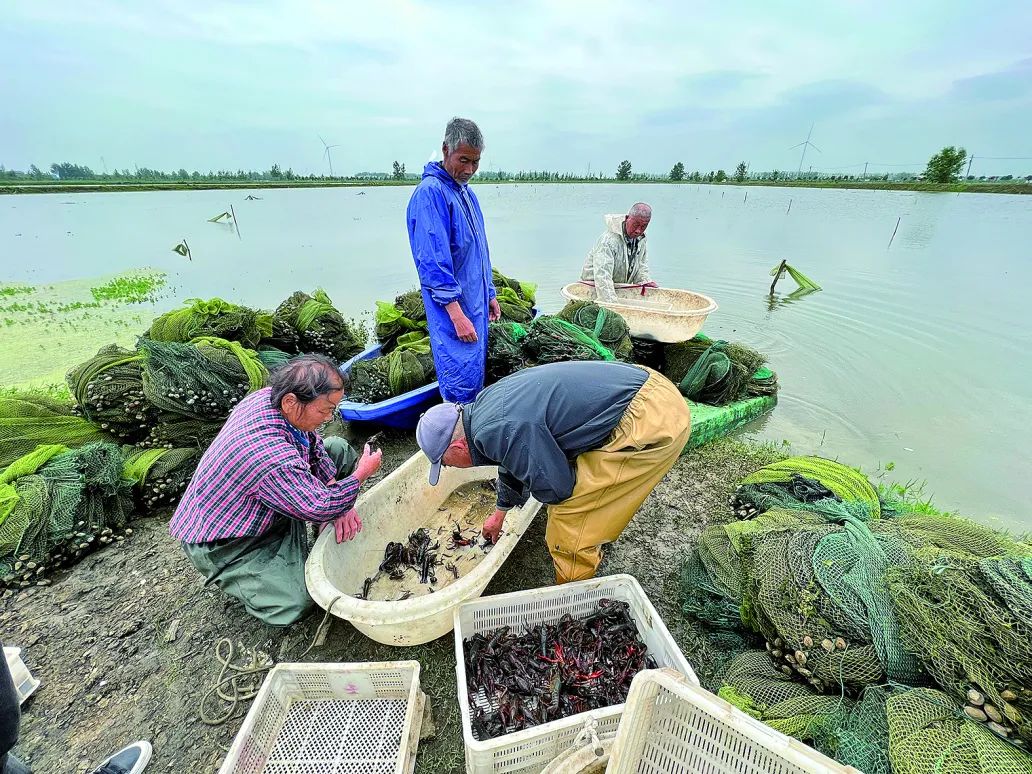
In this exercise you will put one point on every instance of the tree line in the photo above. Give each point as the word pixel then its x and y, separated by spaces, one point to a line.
pixel 945 166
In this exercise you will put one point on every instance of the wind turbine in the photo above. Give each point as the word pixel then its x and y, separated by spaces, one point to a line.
pixel 326 153
pixel 804 145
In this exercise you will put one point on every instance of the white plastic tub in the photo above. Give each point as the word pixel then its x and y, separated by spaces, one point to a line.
pixel 535 748
pixel 395 507
pixel 672 725
pixel 24 683
pixel 332 719
pixel 667 315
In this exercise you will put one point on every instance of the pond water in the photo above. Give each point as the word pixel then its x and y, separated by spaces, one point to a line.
pixel 914 354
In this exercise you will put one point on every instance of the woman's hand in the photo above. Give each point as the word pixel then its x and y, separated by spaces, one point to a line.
pixel 347 526
pixel 368 464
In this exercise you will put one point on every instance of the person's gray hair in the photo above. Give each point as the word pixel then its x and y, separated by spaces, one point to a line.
pixel 462 131
pixel 640 210
pixel 306 377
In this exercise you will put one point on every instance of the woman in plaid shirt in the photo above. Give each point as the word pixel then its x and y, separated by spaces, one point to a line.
pixel 266 476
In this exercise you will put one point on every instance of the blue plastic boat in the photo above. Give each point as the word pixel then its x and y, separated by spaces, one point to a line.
pixel 402 411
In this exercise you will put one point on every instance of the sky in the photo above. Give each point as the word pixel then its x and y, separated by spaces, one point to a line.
pixel 568 86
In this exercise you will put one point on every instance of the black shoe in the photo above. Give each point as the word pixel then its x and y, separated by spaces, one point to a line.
pixel 129 760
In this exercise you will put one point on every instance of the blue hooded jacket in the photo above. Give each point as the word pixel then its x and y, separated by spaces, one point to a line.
pixel 449 247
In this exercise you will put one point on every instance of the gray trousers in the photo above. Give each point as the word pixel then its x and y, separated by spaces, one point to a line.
pixel 267 572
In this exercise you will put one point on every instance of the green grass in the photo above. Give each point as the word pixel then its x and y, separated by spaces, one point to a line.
pixel 131 288
pixel 14 290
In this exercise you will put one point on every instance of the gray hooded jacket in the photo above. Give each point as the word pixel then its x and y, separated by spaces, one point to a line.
pixel 610 261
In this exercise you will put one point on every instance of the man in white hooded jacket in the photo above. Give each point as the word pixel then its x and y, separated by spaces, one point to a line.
pixel 620 256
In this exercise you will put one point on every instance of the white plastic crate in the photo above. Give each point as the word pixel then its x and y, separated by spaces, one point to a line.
pixel 671 725
pixel 360 718
pixel 533 749
pixel 24 683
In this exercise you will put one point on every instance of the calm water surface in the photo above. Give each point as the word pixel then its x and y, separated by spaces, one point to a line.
pixel 915 354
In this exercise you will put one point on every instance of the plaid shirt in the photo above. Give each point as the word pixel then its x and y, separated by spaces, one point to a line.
pixel 257 471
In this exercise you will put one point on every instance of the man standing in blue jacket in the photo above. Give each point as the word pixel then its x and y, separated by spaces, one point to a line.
pixel 449 247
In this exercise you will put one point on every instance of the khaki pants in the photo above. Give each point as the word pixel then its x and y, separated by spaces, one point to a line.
pixel 614 480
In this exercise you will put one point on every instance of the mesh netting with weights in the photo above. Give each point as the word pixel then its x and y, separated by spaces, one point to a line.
pixel 310 323
pixel 515 298
pixel 159 476
pixel 551 339
pixel 195 385
pixel 108 391
pixel 28 420
pixel 214 317
pixel 72 503
pixel 850 592
pixel 717 372
pixel 606 326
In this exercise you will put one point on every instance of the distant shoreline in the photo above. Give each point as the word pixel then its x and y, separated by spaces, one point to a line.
pixel 87 187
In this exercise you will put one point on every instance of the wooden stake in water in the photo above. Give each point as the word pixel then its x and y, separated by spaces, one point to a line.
pixel 236 225
pixel 777 275
pixel 789 207
pixel 894 231
pixel 746 197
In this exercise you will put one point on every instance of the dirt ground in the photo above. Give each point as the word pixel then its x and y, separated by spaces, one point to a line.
pixel 124 642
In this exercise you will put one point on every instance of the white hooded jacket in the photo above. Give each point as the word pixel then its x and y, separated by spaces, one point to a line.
pixel 609 261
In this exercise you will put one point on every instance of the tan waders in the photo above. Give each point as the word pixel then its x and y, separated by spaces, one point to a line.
pixel 614 480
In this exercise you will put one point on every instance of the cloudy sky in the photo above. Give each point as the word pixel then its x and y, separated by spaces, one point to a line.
pixel 209 84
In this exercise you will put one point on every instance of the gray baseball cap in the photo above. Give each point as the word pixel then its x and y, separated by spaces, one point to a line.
pixel 434 434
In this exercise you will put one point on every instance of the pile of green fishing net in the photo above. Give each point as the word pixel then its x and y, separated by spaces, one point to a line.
pixel 108 390
pixel 214 317
pixel 551 339
pixel 850 592
pixel 406 315
pixel 605 325
pixel 57 504
pixel 408 366
pixel 515 298
pixel 159 476
pixel 311 324
pixel 194 386
pixel 29 420
pixel 504 350
pixel 717 372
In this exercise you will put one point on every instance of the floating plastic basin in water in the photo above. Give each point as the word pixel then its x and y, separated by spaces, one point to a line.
pixel 395 507
pixel 663 314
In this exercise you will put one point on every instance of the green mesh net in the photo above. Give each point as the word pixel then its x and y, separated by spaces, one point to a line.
pixel 970 620
pixel 515 298
pixel 928 734
pixel 28 420
pixel 108 391
pixel 159 476
pixel 863 606
pixel 504 349
pixel 70 505
pixel 310 323
pixel 714 372
pixel 406 315
pixel 552 340
pixel 605 325
pixel 272 358
pixel 409 366
pixel 214 317
pixel 791 478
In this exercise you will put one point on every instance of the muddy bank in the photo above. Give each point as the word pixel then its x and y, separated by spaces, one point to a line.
pixel 124 642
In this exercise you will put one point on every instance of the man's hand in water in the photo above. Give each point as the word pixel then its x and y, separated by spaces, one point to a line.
pixel 493 526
